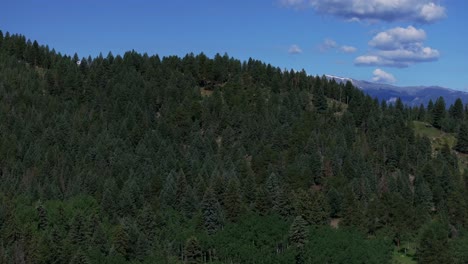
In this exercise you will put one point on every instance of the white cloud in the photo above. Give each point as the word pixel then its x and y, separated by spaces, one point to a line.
pixel 398 47
pixel 421 11
pixel 348 49
pixel 328 44
pixel 292 2
pixel 295 49
pixel 397 37
pixel 432 12
pixel 381 76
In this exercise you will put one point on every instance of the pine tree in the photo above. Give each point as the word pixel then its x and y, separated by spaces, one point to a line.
pixel 42 213
pixel 193 252
pixel 319 99
pixel 320 210
pixel 303 205
pixel 147 222
pixel 167 195
pixel 249 188
pixel 212 218
pixel 78 232
pixel 79 258
pixel 456 110
pixel 99 239
pixel 109 198
pixel 129 198
pixel 462 138
pixel 262 201
pixel 353 214
pixel 335 200
pixel 142 247
pixel 433 245
pixel 233 200
pixel 298 234
pixel 422 195
pixel 121 241
pixel 438 113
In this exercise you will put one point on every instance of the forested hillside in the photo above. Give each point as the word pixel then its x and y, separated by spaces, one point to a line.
pixel 142 159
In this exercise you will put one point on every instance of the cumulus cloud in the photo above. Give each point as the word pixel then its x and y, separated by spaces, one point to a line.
pixel 381 76
pixel 330 44
pixel 398 47
pixel 295 49
pixel 397 37
pixel 421 11
pixel 348 49
pixel 327 44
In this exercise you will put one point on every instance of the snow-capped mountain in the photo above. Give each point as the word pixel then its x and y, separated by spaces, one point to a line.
pixel 410 95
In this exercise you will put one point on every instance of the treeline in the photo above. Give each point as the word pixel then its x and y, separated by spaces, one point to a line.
pixel 142 159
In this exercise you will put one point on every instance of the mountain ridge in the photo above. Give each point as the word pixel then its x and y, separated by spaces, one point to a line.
pixel 410 95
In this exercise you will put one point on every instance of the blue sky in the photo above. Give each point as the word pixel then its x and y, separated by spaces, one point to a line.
pixel 405 42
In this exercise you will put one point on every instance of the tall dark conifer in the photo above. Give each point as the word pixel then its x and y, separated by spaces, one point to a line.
pixel 438 113
pixel 462 138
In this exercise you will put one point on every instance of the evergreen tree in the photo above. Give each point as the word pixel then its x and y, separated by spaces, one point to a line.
pixel 438 113
pixel 262 201
pixel 320 210
pixel 42 213
pixel 320 102
pixel 99 239
pixel 462 138
pixel 422 195
pixel 78 232
pixel 168 194
pixel 79 258
pixel 335 200
pixel 142 247
pixel 121 243
pixel 298 234
pixel 109 198
pixel 233 200
pixel 212 218
pixel 456 110
pixel 193 252
pixel 303 205
pixel 433 245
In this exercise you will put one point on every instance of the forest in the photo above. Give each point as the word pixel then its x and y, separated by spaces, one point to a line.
pixel 135 158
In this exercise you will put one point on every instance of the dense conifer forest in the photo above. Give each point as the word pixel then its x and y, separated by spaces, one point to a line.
pixel 140 159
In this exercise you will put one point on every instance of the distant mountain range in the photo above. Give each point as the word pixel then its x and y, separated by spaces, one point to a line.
pixel 410 95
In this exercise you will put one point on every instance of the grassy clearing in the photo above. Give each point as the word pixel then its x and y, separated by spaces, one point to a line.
pixel 405 255
pixel 438 138
pixel 205 92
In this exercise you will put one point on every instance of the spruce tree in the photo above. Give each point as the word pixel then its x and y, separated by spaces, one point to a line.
pixel 298 234
pixel 212 219
pixel 78 232
pixel 109 199
pixel 121 243
pixel 42 213
pixel 262 201
pixel 79 258
pixel 456 110
pixel 433 244
pixel 462 138
pixel 320 210
pixel 193 252
pixel 320 101
pixel 233 200
pixel 438 113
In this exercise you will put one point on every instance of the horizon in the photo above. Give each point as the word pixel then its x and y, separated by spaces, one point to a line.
pixel 405 43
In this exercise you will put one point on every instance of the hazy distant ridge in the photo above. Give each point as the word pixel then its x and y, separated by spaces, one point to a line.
pixel 410 95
